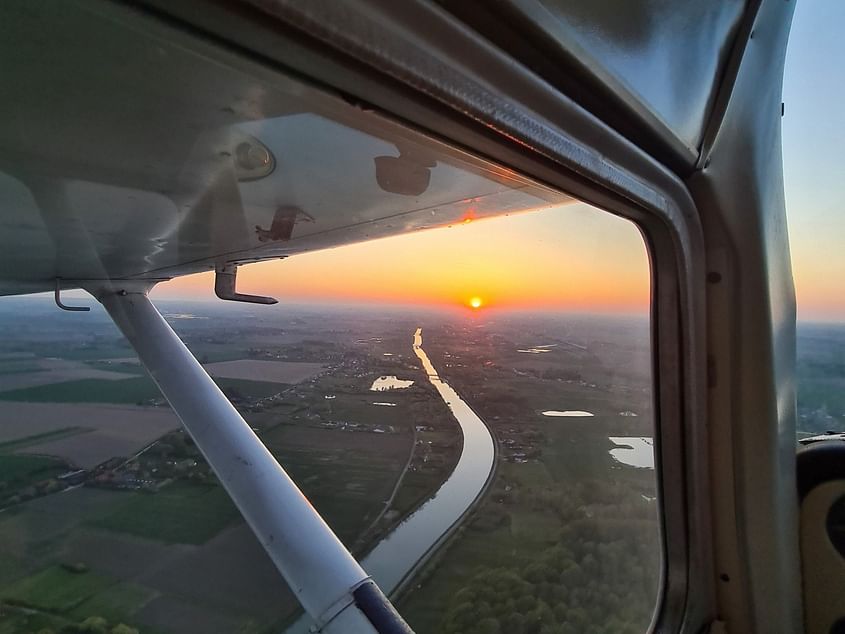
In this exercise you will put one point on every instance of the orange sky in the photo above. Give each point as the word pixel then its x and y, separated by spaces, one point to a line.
pixel 572 257
pixel 813 137
pixel 577 258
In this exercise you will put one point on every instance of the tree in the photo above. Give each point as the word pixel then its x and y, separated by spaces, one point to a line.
pixel 94 625
pixel 487 626
pixel 514 623
pixel 535 619
pixel 526 603
pixel 462 617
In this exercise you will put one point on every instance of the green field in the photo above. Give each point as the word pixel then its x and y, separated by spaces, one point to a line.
pixel 19 622
pixel 249 389
pixel 17 367
pixel 18 472
pixel 58 600
pixel 128 368
pixel 537 541
pixel 565 541
pixel 182 513
pixel 162 551
pixel 821 378
pixel 125 391
pixel 55 589
pixel 138 389
pixel 20 443
pixel 115 602
pixel 66 349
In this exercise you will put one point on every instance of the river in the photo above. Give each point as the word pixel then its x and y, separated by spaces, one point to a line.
pixel 403 549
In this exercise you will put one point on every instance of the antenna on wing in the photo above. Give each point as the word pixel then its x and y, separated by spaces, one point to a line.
pixel 58 297
pixel 225 280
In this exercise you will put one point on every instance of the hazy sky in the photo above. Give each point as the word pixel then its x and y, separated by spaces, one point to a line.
pixel 814 167
pixel 572 257
pixel 578 258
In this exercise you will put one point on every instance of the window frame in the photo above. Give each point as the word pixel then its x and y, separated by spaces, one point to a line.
pixel 451 84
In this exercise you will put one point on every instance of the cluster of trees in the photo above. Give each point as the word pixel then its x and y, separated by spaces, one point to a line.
pixel 176 456
pixel 600 576
pixel 99 625
pixel 91 625
pixel 175 445
pixel 601 579
pixel 44 487
pixel 611 500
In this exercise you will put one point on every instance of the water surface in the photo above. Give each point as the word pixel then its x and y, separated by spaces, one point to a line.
pixel 398 554
pixel 633 451
pixel 384 383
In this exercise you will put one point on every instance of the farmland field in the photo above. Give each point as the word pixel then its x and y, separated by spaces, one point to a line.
pixel 59 597
pixel 266 371
pixel 821 378
pixel 180 513
pixel 560 512
pixel 101 431
pixel 178 556
pixel 115 602
pixel 88 390
pixel 55 589
pixel 18 472
pixel 122 390
pixel 34 372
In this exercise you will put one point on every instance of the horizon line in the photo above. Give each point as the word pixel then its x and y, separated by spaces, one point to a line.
pixel 376 304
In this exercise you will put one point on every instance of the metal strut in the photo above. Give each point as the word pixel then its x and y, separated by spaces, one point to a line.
pixel 331 586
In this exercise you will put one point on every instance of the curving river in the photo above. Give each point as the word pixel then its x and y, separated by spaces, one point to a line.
pixel 400 552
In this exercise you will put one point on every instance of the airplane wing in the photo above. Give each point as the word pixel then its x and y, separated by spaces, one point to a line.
pixel 135 153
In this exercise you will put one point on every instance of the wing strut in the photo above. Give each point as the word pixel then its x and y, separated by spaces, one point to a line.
pixel 329 583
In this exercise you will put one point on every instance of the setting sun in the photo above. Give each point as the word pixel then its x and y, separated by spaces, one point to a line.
pixel 599 262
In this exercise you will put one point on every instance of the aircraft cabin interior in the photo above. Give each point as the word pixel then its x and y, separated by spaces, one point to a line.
pixel 433 316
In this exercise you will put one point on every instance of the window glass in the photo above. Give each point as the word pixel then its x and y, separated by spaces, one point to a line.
pixel 469 408
pixel 813 137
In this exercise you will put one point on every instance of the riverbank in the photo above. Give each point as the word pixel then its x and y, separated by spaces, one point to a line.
pixel 394 560
pixel 401 551
pixel 560 511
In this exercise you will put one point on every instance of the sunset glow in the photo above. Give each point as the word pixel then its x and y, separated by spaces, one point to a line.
pixel 813 135
pixel 572 258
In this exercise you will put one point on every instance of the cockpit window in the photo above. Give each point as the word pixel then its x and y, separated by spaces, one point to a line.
pixel 469 408
pixel 813 136
pixel 458 374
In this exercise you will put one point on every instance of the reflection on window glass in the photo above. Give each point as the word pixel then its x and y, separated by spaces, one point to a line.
pixel 469 408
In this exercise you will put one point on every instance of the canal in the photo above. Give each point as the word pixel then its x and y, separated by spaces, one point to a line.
pixel 403 550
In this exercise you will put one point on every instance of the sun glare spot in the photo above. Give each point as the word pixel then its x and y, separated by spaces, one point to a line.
pixel 475 302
